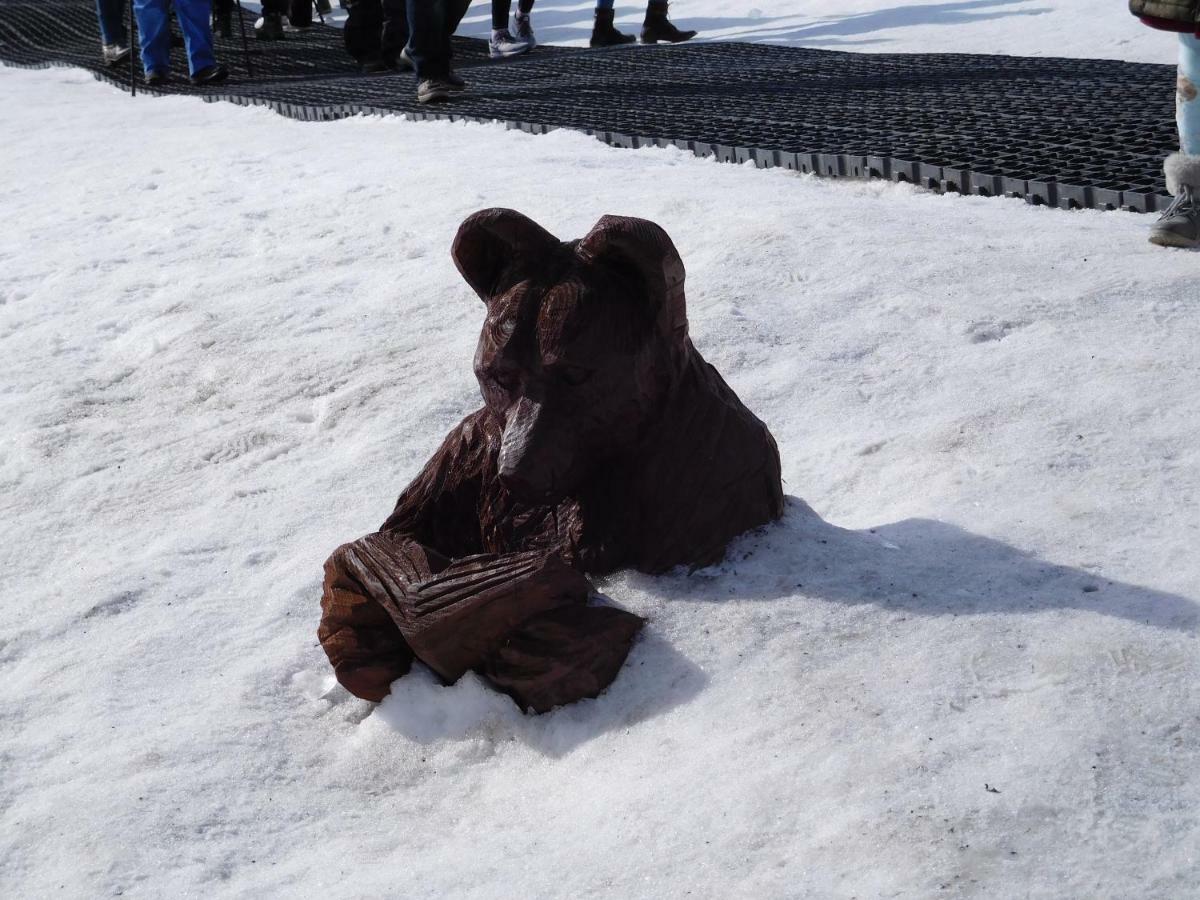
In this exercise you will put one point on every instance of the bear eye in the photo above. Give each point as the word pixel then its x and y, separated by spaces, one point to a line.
pixel 574 375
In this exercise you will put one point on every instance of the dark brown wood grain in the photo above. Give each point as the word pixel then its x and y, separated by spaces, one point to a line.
pixel 605 441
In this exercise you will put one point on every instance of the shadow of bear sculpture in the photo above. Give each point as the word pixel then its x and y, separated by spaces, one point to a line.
pixel 605 442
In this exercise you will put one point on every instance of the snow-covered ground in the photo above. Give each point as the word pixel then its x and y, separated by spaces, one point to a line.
pixel 1076 28
pixel 964 665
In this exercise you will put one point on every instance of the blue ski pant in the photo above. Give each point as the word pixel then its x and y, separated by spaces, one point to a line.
pixel 111 14
pixel 1187 96
pixel 154 33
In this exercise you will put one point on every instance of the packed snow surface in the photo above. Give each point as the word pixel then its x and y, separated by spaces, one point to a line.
pixel 963 665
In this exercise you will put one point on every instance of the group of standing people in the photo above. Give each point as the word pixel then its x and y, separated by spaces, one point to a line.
pixel 155 37
pixel 415 35
pixel 381 35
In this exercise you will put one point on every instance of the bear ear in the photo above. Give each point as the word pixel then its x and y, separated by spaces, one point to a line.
pixel 495 248
pixel 642 247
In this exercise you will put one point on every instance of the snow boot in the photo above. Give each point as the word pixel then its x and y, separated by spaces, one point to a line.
pixel 1179 225
pixel 604 34
pixel 524 29
pixel 269 27
pixel 657 27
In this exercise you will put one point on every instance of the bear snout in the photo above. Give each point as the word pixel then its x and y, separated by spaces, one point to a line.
pixel 518 468
pixel 531 463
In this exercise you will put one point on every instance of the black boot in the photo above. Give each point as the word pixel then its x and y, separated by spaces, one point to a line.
pixel 604 34
pixel 210 75
pixel 269 27
pixel 657 28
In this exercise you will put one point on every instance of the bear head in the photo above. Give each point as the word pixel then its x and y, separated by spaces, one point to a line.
pixel 582 344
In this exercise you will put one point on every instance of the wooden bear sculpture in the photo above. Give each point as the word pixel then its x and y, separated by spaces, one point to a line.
pixel 605 441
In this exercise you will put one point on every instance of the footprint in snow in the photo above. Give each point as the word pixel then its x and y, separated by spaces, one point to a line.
pixel 982 332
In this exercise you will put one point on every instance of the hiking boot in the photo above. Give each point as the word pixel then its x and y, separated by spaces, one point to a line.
pixel 503 45
pixel 114 53
pixel 1179 225
pixel 456 84
pixel 269 27
pixel 435 90
pixel 524 29
pixel 657 27
pixel 210 75
pixel 154 79
pixel 604 34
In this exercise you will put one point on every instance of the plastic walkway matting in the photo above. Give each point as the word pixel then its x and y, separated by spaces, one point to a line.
pixel 1063 132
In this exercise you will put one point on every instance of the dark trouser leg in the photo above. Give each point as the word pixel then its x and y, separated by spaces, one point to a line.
pixel 500 11
pixel 395 29
pixel 429 36
pixel 299 13
pixel 364 22
pixel 111 14
pixel 455 10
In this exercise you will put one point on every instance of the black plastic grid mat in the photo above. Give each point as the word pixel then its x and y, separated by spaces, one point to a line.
pixel 1063 132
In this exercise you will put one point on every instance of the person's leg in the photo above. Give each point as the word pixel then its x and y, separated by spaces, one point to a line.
pixel 154 35
pixel 196 24
pixel 394 29
pixel 299 13
pixel 604 33
pixel 1179 226
pixel 657 27
pixel 1187 96
pixel 503 43
pixel 500 11
pixel 111 14
pixel 223 17
pixel 524 27
pixel 454 12
pixel 270 26
pixel 429 38
pixel 364 23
